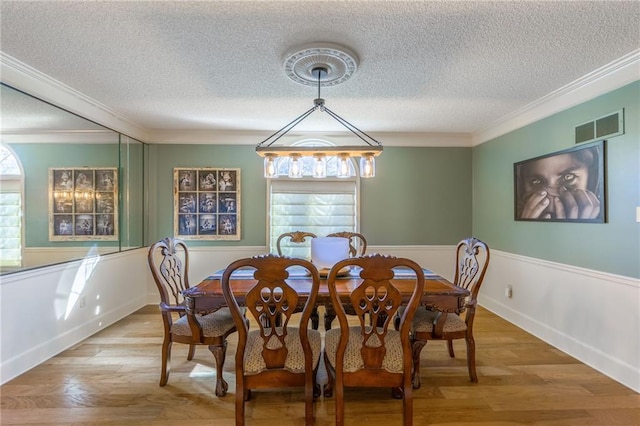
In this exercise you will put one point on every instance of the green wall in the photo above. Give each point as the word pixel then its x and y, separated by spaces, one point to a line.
pixel 612 247
pixel 419 195
pixel 253 192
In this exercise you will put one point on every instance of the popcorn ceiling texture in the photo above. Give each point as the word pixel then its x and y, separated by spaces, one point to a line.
pixel 450 67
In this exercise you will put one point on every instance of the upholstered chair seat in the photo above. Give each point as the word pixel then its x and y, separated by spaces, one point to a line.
pixel 254 363
pixel 353 361
pixel 424 320
pixel 217 323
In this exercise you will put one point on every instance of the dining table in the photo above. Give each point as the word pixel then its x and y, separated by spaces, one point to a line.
pixel 439 294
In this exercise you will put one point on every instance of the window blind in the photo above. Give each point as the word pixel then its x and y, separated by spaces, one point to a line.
pixel 10 224
pixel 321 207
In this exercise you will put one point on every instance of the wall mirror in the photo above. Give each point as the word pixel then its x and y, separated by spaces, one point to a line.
pixel 62 175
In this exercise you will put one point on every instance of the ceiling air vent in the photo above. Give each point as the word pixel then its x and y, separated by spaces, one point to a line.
pixel 601 128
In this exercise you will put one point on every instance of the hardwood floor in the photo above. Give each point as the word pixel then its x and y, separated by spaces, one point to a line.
pixel 112 379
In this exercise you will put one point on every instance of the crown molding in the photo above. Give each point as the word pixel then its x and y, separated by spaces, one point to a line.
pixel 614 75
pixel 35 83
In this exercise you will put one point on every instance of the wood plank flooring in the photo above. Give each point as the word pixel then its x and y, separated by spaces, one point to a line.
pixel 112 379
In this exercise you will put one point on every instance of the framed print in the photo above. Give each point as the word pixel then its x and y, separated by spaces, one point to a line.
pixel 83 204
pixel 206 203
pixel 565 186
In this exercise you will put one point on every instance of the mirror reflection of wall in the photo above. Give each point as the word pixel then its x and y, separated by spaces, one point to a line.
pixel 38 138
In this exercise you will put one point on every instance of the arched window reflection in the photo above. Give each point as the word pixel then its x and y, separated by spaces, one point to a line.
pixel 10 210
pixel 307 163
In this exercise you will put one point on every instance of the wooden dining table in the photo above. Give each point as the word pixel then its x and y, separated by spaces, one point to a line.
pixel 439 294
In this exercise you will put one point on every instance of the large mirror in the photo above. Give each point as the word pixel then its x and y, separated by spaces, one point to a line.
pixel 69 188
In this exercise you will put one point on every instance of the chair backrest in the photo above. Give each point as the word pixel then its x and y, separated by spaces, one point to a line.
pixel 272 301
pixel 357 242
pixel 472 260
pixel 295 237
pixel 376 301
pixel 169 264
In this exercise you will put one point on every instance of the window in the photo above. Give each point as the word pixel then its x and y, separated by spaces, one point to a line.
pixel 10 210
pixel 311 205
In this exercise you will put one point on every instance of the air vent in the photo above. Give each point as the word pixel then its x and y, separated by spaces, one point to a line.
pixel 601 128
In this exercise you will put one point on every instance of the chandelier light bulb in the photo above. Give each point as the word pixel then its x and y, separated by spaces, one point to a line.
pixel 319 166
pixel 367 165
pixel 343 166
pixel 295 168
pixel 270 169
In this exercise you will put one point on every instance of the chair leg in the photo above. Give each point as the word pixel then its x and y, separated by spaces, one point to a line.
pixel 192 352
pixel 309 397
pixel 416 348
pixel 219 352
pixel 329 316
pixel 471 359
pixel 315 318
pixel 407 406
pixel 316 386
pixel 240 399
pixel 339 403
pixel 450 347
pixel 331 374
pixel 166 362
pixel 397 393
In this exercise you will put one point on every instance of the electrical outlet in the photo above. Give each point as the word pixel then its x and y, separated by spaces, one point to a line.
pixel 638 214
pixel 82 301
pixel 508 292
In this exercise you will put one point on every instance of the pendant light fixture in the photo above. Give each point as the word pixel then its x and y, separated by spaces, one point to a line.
pixel 321 65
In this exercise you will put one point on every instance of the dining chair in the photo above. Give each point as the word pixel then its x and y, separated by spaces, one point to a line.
pixel 270 355
pixel 295 237
pixel 299 237
pixel 357 242
pixel 169 263
pixel 472 260
pixel 357 247
pixel 372 356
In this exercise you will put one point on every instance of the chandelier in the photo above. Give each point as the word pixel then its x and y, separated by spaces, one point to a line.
pixel 325 65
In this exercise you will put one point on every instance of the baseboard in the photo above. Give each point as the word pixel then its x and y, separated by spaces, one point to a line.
pixel 573 289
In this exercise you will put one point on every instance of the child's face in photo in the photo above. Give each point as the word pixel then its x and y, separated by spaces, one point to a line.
pixel 553 173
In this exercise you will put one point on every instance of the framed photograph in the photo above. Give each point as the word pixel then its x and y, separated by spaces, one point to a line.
pixel 206 203
pixel 83 204
pixel 565 186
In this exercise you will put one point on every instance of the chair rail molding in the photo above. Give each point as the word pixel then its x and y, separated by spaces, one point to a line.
pixel 591 315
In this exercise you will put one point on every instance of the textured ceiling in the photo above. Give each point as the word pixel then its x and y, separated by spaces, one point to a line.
pixel 437 67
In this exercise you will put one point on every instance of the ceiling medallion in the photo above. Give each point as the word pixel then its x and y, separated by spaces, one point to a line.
pixel 325 65
pixel 340 64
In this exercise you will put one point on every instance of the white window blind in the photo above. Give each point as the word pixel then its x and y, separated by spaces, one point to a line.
pixel 10 210
pixel 321 207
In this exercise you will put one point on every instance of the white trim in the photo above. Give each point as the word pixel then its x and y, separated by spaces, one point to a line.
pixel 28 79
pixel 614 75
pixel 590 315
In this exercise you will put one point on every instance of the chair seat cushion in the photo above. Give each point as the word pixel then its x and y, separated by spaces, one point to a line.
pixel 214 324
pixel 254 363
pixel 353 361
pixel 424 318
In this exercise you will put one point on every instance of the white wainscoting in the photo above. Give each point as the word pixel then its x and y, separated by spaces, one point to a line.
pixel 41 313
pixel 590 315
